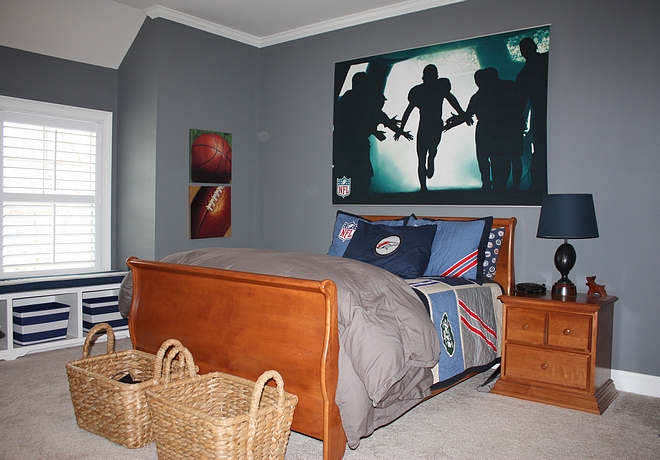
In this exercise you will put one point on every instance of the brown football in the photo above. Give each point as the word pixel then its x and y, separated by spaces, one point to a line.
pixel 210 212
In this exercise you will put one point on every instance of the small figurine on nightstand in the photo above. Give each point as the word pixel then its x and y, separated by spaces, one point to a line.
pixel 595 289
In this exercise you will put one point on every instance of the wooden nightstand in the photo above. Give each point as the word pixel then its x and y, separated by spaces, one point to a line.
pixel 558 350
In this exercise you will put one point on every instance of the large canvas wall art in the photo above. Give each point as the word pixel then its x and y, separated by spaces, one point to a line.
pixel 461 123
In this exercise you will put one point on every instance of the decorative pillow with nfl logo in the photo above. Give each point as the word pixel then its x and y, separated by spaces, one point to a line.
pixel 345 226
pixel 403 251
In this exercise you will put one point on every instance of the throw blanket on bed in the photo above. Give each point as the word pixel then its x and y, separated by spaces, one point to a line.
pixel 467 318
pixel 387 343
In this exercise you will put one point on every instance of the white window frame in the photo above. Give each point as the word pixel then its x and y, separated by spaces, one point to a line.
pixel 103 194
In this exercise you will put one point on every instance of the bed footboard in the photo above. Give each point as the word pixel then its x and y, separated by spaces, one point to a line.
pixel 243 324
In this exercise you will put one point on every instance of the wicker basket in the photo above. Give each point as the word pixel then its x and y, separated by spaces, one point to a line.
pixel 103 405
pixel 217 415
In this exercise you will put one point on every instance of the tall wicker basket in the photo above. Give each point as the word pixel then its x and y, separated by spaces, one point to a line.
pixel 218 415
pixel 103 405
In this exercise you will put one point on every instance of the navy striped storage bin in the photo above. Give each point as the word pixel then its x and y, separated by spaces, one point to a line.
pixel 40 322
pixel 103 309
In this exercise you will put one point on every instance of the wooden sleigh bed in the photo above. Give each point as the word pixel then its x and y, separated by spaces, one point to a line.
pixel 244 323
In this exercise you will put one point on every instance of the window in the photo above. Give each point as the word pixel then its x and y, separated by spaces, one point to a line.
pixel 56 190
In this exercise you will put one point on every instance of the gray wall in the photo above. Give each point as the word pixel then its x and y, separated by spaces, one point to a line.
pixel 136 146
pixel 43 78
pixel 175 78
pixel 603 138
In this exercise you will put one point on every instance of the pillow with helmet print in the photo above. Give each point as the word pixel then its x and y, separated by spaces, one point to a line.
pixel 403 251
pixel 492 252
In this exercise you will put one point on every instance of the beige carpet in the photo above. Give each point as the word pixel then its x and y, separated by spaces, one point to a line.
pixel 37 422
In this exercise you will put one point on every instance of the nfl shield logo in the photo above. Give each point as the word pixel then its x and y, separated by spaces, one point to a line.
pixel 347 230
pixel 343 187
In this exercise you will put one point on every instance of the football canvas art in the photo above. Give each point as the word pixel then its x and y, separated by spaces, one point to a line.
pixel 210 211
pixel 210 157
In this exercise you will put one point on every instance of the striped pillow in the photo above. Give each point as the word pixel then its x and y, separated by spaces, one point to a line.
pixel 459 247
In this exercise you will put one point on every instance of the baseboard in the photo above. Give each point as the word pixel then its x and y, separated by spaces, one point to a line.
pixel 631 382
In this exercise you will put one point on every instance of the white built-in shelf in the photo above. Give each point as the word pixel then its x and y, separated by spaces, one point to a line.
pixel 60 290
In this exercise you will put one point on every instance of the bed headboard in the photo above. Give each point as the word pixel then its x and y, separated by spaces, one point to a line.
pixel 505 274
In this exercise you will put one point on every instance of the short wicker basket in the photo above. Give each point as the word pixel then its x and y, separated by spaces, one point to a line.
pixel 218 415
pixel 105 406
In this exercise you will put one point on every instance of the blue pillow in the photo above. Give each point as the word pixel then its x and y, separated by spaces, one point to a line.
pixel 345 226
pixel 458 248
pixel 493 251
pixel 403 251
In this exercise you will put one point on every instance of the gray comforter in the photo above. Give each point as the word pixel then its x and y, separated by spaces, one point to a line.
pixel 388 343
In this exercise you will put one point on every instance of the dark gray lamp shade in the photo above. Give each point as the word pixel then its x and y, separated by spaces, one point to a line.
pixel 567 215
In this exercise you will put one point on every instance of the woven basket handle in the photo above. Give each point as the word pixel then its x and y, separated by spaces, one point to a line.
pixel 257 393
pixel 168 351
pixel 184 354
pixel 89 340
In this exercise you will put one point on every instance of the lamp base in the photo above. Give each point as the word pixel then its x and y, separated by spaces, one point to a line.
pixel 564 289
pixel 564 261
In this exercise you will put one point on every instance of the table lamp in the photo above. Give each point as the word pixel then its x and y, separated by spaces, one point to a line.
pixel 567 215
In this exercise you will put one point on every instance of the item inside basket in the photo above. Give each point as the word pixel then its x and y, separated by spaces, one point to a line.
pixel 125 377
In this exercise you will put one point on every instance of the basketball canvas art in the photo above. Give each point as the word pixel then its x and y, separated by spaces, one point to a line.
pixel 210 157
pixel 210 211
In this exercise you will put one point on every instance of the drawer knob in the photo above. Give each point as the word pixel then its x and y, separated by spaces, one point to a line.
pixel 567 331
pixel 544 366
pixel 525 327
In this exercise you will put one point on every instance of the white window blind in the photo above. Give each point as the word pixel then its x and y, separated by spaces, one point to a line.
pixel 55 188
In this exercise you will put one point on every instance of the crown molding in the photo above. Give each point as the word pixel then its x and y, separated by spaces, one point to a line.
pixel 161 12
pixel 377 14
pixel 385 12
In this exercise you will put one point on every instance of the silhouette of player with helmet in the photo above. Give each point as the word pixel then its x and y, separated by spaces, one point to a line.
pixel 428 97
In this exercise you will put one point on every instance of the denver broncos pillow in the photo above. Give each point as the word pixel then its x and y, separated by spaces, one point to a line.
pixel 458 247
pixel 403 251
pixel 345 226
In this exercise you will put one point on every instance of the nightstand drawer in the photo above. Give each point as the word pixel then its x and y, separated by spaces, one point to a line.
pixel 568 330
pixel 546 366
pixel 525 325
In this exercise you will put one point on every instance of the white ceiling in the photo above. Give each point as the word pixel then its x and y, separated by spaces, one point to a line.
pixel 100 32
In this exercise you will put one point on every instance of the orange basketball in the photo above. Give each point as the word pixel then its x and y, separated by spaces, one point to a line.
pixel 210 159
